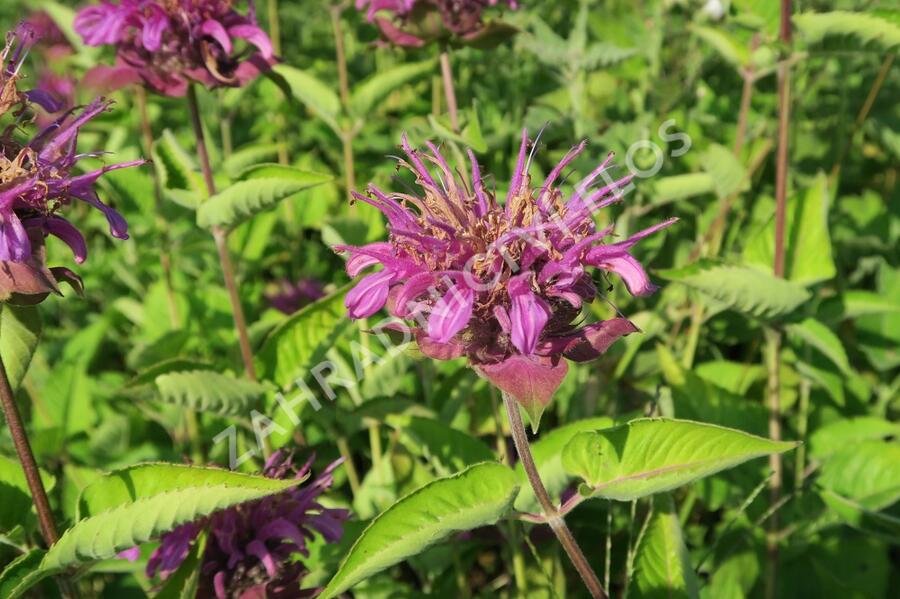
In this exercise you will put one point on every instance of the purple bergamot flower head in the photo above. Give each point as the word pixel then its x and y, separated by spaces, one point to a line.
pixel 39 177
pixel 251 548
pixel 414 23
pixel 502 284
pixel 169 43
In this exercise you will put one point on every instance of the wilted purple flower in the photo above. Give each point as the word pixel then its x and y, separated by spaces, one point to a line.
pixel 503 285
pixel 38 178
pixel 289 297
pixel 250 549
pixel 169 43
pixel 416 22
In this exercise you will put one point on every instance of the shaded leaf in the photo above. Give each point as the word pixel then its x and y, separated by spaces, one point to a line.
pixel 663 564
pixel 209 391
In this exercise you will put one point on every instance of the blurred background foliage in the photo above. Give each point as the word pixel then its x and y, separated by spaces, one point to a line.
pixel 696 80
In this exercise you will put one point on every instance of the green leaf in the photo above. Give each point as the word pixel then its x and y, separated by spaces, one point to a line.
pixel 856 515
pixel 726 171
pixel 547 454
pixel 730 49
pixel 311 91
pixel 648 456
pixel 678 187
pixel 846 432
pixel 302 340
pixel 247 156
pixel 260 188
pixel 21 574
pixel 663 564
pixel 864 31
pixel 450 449
pixel 121 488
pixel 208 391
pixel 742 288
pixel 823 339
pixel 15 497
pixel 134 505
pixel 866 472
pixel 369 93
pixel 477 496
pixel 808 255
pixel 20 331
pixel 176 171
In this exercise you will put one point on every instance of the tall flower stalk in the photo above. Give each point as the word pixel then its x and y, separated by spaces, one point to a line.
pixel 221 239
pixel 170 47
pixel 502 284
pixel 39 179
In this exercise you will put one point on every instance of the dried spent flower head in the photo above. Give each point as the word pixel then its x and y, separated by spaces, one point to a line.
pixel 169 43
pixel 250 549
pixel 38 178
pixel 502 284
pixel 414 23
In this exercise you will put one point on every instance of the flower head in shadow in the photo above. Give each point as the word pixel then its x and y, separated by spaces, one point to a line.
pixel 503 284
pixel 415 23
pixel 251 547
pixel 39 178
pixel 169 43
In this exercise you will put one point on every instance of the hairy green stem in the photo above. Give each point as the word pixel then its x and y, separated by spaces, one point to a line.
pixel 551 513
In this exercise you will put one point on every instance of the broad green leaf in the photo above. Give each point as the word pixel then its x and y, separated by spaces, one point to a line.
pixel 477 496
pixel 547 454
pixel 369 93
pixel 866 472
pixel 845 432
pixel 209 391
pixel 302 340
pixel 20 330
pixel 854 303
pixel 865 31
pixel 21 574
pixel 15 497
pixel 808 254
pixel 260 188
pixel 450 449
pixel 123 487
pixel 113 531
pixel 648 456
pixel 734 377
pixel 823 339
pixel 247 156
pixel 742 288
pixel 859 517
pixel 318 96
pixel 663 565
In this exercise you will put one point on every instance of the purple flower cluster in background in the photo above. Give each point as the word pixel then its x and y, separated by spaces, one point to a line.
pixel 169 43
pixel 414 23
pixel 251 547
pixel 38 177
pixel 502 284
pixel 288 297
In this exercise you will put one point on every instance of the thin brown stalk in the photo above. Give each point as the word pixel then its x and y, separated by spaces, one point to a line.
pixel 220 235
pixel 863 114
pixel 449 90
pixel 22 445
pixel 774 336
pixel 551 513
